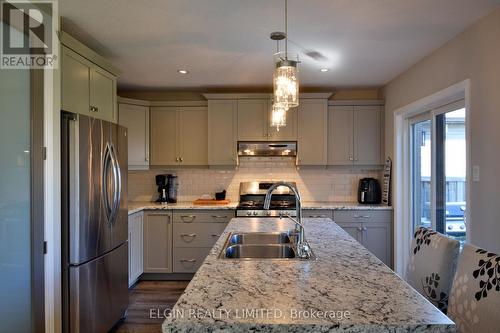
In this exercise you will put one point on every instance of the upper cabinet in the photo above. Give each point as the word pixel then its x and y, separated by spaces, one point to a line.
pixel 252 119
pixel 354 135
pixel 222 132
pixel 254 122
pixel 312 132
pixel 88 82
pixel 135 117
pixel 179 136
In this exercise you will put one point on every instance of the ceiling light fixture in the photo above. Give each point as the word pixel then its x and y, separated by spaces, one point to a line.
pixel 324 70
pixel 285 79
pixel 182 71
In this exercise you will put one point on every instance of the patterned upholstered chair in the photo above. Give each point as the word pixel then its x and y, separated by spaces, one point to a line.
pixel 432 264
pixel 475 294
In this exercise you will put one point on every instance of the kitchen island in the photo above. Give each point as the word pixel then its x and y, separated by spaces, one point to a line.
pixel 346 289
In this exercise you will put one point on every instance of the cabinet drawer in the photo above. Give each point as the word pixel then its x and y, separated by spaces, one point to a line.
pixel 343 216
pixel 188 260
pixel 317 213
pixel 197 234
pixel 192 216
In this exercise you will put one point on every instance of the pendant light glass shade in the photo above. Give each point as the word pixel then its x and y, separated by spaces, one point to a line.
pixel 278 116
pixel 286 84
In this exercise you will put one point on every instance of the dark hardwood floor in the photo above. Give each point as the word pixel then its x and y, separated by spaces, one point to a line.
pixel 147 303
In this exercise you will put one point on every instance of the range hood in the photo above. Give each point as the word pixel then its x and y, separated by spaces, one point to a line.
pixel 267 148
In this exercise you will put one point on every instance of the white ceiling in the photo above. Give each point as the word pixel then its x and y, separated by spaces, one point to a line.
pixel 225 43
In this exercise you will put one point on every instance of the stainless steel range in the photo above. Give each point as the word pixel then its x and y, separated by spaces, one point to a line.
pixel 252 195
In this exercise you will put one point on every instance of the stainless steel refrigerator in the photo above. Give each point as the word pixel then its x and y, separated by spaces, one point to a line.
pixel 94 223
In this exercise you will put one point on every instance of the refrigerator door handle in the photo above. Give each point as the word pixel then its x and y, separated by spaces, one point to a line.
pixel 117 184
pixel 105 171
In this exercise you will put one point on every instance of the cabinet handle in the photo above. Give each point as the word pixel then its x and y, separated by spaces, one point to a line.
pixel 187 260
pixel 219 216
pixel 177 159
pixel 351 158
pixel 362 216
pixel 94 109
pixel 359 228
pixel 188 235
pixel 216 235
pixel 147 159
pixel 192 217
pixel 180 159
pixel 317 216
pixel 364 228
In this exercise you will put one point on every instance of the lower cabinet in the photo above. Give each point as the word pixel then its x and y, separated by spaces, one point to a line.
pixel 157 242
pixel 135 247
pixel 194 234
pixel 373 229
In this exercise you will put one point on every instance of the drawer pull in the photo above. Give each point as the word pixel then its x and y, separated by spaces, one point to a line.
pixel 219 216
pixel 318 216
pixel 188 235
pixel 364 228
pixel 191 217
pixel 359 228
pixel 362 216
pixel 215 235
pixel 187 260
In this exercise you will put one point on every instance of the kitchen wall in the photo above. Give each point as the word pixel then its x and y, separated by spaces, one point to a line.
pixel 316 184
pixel 473 54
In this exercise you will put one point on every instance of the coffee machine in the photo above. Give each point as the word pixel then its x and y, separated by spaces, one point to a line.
pixel 161 182
pixel 167 188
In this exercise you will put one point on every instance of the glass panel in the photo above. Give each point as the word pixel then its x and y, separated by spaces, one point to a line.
pixel 15 224
pixel 421 173
pixel 454 174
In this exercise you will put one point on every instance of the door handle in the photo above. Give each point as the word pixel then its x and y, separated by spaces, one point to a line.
pixel 117 183
pixel 104 176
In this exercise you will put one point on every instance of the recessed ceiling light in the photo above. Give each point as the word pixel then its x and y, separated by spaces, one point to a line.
pixel 323 70
pixel 182 71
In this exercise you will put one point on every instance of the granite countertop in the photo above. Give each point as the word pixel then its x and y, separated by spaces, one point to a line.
pixel 355 290
pixel 137 206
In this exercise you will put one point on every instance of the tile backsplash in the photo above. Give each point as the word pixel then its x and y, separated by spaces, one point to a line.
pixel 315 184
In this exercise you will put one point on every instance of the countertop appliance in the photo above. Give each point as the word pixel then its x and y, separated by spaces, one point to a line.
pixel 369 191
pixel 94 223
pixel 161 182
pixel 252 195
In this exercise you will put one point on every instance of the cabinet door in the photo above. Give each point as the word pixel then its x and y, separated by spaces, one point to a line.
pixel 312 132
pixel 75 83
pixel 367 135
pixel 340 135
pixel 102 94
pixel 353 229
pixel 288 132
pixel 377 239
pixel 222 132
pixel 252 119
pixel 136 119
pixel 192 139
pixel 157 243
pixel 135 246
pixel 164 136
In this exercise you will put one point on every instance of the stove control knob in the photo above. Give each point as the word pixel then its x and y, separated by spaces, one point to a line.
pixel 249 213
pixel 268 213
pixel 255 213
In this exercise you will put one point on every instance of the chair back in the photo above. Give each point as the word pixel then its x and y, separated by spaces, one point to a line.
pixel 432 264
pixel 475 295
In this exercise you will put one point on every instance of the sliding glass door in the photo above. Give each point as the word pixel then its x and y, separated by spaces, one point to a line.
pixel 438 170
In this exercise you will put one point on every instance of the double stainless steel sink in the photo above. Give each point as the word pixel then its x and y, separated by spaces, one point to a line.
pixel 260 245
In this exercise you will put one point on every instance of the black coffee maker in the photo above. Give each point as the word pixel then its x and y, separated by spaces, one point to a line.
pixel 167 188
pixel 161 182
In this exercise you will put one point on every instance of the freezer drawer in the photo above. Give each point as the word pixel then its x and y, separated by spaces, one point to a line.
pixel 99 292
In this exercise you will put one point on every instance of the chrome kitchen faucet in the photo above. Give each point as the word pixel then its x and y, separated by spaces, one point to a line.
pixel 303 249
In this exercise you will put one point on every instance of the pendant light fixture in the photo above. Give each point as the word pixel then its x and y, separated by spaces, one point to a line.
pixel 285 79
